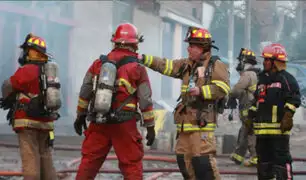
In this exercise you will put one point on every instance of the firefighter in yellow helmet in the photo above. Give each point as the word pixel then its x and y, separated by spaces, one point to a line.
pixel 22 95
pixel 205 81
pixel 243 91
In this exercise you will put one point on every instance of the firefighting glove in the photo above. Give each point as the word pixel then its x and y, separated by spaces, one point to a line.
pixel 79 124
pixel 251 114
pixel 150 135
pixel 231 103
pixel 287 122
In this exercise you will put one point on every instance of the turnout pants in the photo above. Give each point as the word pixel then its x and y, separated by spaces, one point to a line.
pixel 274 158
pixel 195 152
pixel 36 155
pixel 246 141
pixel 127 143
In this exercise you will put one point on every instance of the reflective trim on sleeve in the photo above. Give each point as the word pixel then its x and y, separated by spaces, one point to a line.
pixel 83 103
pixel 290 106
pixel 168 68
pixel 253 108
pixel 148 60
pixel 252 88
pixel 222 85
pixel 184 88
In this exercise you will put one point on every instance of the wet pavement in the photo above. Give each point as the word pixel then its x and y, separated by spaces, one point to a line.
pixel 10 161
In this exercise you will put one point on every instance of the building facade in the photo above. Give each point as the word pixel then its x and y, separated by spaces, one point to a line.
pixel 77 32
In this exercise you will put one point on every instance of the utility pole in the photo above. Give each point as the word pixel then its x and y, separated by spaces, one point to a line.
pixel 247 24
pixel 230 12
pixel 299 16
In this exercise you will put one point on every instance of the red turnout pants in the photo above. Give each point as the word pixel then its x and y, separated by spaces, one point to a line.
pixel 127 143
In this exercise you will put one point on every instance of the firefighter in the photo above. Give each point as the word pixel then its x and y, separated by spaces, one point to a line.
pixel 22 95
pixel 277 98
pixel 132 91
pixel 243 91
pixel 205 81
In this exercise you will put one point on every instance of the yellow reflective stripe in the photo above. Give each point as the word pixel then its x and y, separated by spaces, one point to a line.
pixel 222 85
pixel 206 92
pixel 130 105
pixel 33 124
pixel 83 103
pixel 253 160
pixel 184 88
pixel 269 132
pixel 253 108
pixel 290 106
pixel 252 88
pixel 267 55
pixel 266 125
pixel 190 127
pixel 128 86
pixel 274 114
pixel 168 68
pixel 148 115
pixel 51 135
pixel 28 96
pixel 237 157
pixel 148 60
pixel 245 112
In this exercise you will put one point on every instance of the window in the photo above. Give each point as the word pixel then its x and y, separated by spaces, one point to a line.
pixel 184 44
pixel 168 29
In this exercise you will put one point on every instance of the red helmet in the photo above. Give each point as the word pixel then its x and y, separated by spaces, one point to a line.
pixel 199 36
pixel 276 51
pixel 126 33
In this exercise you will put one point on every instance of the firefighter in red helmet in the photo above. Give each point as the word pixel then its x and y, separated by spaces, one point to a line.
pixel 277 98
pixel 205 83
pixel 114 88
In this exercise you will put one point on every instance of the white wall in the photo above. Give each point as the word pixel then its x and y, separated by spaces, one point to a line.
pixel 177 54
pixel 89 39
pixel 150 27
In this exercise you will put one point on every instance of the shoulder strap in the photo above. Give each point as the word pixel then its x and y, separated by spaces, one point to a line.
pixel 122 62
pixel 209 69
pixel 126 60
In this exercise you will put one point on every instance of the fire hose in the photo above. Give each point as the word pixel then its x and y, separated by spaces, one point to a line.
pixel 159 171
pixel 77 148
pixel 149 158
pixel 173 170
